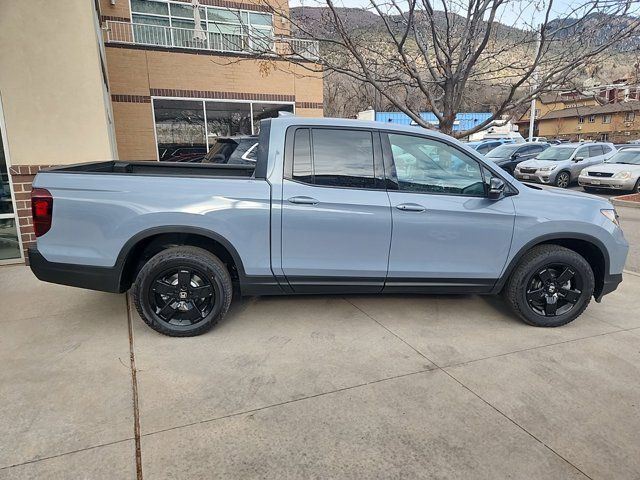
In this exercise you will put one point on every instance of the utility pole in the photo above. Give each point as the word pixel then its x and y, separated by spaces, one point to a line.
pixel 532 111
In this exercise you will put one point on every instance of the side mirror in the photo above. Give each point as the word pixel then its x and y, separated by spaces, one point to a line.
pixel 515 155
pixel 578 159
pixel 496 188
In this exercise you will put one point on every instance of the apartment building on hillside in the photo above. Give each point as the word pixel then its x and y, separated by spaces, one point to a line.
pixel 86 81
pixel 612 122
pixel 572 103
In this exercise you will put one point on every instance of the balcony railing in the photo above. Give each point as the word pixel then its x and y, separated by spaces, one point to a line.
pixel 254 43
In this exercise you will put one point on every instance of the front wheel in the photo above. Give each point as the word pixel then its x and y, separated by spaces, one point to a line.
pixel 563 179
pixel 182 291
pixel 551 286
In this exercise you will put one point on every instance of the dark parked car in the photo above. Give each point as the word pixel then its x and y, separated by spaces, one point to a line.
pixel 485 146
pixel 508 156
pixel 239 150
pixel 181 153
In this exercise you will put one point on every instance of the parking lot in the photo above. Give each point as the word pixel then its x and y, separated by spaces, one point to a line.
pixel 317 387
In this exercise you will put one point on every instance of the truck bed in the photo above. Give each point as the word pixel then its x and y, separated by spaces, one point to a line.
pixel 158 169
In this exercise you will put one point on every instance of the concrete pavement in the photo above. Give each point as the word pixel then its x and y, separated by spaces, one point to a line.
pixel 316 387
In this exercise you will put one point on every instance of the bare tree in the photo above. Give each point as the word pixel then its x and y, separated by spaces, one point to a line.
pixel 430 54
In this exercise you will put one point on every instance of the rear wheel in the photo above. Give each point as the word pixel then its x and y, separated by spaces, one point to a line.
pixel 551 286
pixel 563 179
pixel 182 291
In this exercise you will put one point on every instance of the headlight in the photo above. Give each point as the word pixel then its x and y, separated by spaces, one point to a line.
pixel 547 169
pixel 611 215
pixel 622 175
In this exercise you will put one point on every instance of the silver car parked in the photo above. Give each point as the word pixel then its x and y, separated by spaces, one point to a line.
pixel 560 165
pixel 620 172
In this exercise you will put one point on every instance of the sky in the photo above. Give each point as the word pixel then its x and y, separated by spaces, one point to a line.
pixel 516 12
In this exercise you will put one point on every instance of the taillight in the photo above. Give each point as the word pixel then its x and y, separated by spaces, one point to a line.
pixel 42 210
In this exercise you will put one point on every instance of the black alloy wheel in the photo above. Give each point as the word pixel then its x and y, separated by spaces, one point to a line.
pixel 182 296
pixel 554 290
pixel 182 291
pixel 550 286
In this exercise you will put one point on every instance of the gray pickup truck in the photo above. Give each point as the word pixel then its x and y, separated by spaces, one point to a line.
pixel 329 206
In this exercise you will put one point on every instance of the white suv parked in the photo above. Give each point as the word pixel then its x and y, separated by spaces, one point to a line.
pixel 560 165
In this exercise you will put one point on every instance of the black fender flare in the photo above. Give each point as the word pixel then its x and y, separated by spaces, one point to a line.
pixel 546 239
pixel 176 229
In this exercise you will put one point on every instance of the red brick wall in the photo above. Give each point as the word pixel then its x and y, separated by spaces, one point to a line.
pixel 21 178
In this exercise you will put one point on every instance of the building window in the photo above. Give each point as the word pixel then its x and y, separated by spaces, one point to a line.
pixel 604 137
pixel 629 116
pixel 592 119
pixel 580 119
pixel 606 118
pixel 157 22
pixel 9 235
pixel 186 128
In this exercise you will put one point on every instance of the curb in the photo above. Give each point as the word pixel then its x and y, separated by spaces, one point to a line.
pixel 624 203
pixel 629 200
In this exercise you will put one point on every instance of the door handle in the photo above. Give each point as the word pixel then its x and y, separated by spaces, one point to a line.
pixel 410 207
pixel 303 200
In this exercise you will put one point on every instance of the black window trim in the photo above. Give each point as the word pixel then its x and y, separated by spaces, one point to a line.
pixel 392 180
pixel 383 160
pixel 378 167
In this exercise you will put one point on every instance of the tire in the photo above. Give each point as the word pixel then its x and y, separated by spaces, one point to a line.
pixel 530 291
pixel 182 291
pixel 636 187
pixel 563 180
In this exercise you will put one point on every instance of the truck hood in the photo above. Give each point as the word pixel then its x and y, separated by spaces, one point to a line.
pixel 563 193
pixel 613 168
pixel 535 163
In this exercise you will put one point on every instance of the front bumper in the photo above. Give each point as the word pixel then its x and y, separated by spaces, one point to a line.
pixel 609 284
pixel 105 279
pixel 604 182
pixel 538 177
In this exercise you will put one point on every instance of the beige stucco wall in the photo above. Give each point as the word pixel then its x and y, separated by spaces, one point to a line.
pixel 55 107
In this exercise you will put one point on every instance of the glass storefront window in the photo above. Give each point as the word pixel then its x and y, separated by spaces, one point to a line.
pixel 182 133
pixel 268 110
pixel 6 205
pixel 9 244
pixel 180 129
pixel 226 119
pixel 9 240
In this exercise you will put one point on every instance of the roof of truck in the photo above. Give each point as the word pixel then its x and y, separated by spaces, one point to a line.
pixel 285 122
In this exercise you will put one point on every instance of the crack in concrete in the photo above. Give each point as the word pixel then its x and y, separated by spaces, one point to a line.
pixel 134 385
pixel 490 405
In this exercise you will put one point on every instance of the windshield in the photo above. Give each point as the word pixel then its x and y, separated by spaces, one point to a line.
pixel 556 153
pixel 629 157
pixel 503 151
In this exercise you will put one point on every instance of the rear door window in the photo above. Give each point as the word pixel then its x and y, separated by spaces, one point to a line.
pixel 595 150
pixel 334 157
pixel 582 152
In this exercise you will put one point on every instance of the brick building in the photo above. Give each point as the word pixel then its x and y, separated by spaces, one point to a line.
pixel 137 80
